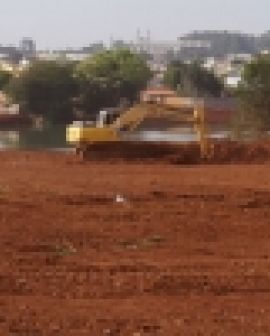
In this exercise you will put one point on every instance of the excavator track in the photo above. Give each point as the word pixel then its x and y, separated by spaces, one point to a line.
pixel 142 150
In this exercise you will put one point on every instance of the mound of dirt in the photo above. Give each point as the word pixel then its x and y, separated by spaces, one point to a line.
pixel 240 152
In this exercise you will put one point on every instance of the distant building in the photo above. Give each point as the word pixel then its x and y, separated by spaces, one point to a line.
pixel 47 55
pixel 93 48
pixel 71 54
pixel 161 51
pixel 28 48
pixel 264 41
pixel 6 108
pixel 202 44
pixel 233 79
pixel 216 110
pixel 221 66
pixel 6 66
pixel 10 54
pixel 229 67
pixel 120 44
pixel 156 94
pixel 157 53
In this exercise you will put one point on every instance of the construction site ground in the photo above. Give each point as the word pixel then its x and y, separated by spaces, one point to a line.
pixel 135 247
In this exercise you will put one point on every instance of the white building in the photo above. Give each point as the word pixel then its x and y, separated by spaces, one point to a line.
pixel 232 80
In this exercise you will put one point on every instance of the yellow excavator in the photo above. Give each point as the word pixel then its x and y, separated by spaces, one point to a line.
pixel 83 135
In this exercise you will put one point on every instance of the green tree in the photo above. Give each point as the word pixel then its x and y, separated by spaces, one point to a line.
pixel 5 77
pixel 254 95
pixel 192 80
pixel 110 76
pixel 46 88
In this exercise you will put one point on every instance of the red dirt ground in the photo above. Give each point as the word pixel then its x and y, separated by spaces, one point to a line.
pixel 186 253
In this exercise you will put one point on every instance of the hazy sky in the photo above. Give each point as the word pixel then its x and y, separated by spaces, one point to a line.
pixel 62 23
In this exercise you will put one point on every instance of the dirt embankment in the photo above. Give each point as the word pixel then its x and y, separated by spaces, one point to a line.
pixel 132 248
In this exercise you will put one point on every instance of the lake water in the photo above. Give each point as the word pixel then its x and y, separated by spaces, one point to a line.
pixel 31 138
pixel 54 137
